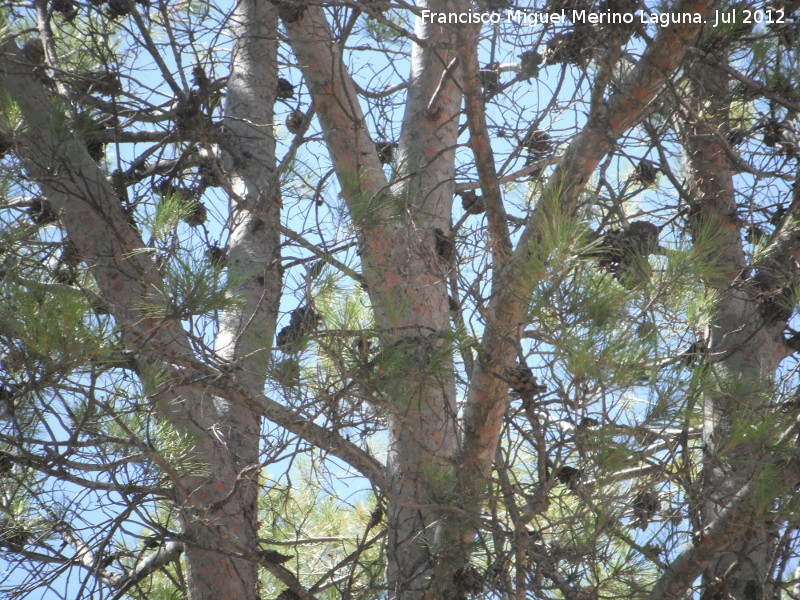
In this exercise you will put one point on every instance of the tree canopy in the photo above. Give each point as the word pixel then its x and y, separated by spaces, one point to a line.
pixel 379 300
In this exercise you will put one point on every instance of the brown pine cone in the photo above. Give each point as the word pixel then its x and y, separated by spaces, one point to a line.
pixel 521 381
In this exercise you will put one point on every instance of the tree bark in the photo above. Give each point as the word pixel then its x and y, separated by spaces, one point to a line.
pixel 743 343
pixel 406 277
pixel 245 334
pixel 218 524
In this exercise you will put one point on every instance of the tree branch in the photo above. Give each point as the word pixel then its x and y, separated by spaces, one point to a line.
pixel 160 558
pixel 224 385
pixel 506 314
pixel 353 152
pixel 731 524
pixel 482 148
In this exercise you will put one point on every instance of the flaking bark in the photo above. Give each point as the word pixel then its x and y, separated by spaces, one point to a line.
pixel 94 220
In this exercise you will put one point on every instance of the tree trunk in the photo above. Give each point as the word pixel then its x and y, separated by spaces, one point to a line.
pixel 406 276
pixel 218 506
pixel 424 434
pixel 245 335
pixel 743 346
pixel 406 270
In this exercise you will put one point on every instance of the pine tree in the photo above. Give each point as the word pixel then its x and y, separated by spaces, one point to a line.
pixel 342 301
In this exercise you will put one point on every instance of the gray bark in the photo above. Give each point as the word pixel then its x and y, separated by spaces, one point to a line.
pixel 217 524
pixel 245 335
pixel 744 348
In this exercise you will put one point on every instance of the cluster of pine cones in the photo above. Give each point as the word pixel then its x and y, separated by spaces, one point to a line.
pixel 522 382
pixel 303 321
pixel 624 252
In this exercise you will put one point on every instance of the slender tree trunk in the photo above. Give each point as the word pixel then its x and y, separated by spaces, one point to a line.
pixel 245 335
pixel 743 344
pixel 423 433
pixel 406 268
pixel 218 503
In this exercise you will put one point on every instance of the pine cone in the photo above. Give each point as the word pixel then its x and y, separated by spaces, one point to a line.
pixel 196 214
pixel 777 306
pixel 645 506
pixel 208 176
pixel 13 536
pixel 302 322
pixel 736 136
pixel 295 121
pixel 490 80
pixel 182 194
pixel 467 580
pixel 472 203
pixel 529 64
pixel 119 8
pixel 452 304
pixel 66 8
pixel 385 151
pixel 40 212
pixel 644 237
pixel 376 517
pixel 316 269
pixel 445 247
pixel 103 83
pixel 570 477
pixel 305 317
pixel 498 5
pixel 521 381
pixel 624 252
pixel 188 113
pixel 33 49
pixel 568 5
pixel 754 234
pixel 617 7
pixel 538 143
pixel 362 347
pixel 288 339
pixel 66 276
pixel 69 253
pixel 572 47
pixel 96 150
pixel 646 173
pixel 290 10
pixel 119 184
pixel 6 464
pixel 6 395
pixel 6 145
pixel 276 558
pixel 772 132
pixel 285 89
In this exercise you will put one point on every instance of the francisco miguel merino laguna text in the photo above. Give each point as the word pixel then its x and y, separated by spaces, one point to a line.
pixel 575 16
